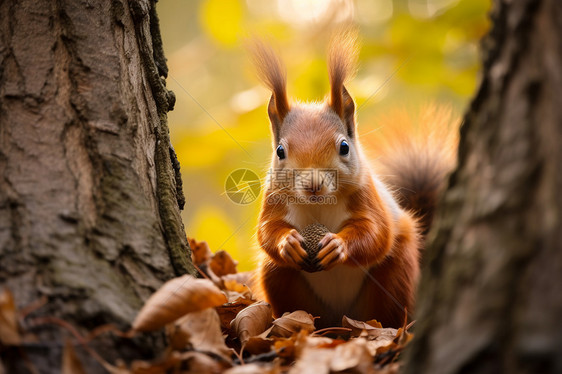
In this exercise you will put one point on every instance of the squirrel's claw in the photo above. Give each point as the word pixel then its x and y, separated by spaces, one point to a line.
pixel 291 249
pixel 333 251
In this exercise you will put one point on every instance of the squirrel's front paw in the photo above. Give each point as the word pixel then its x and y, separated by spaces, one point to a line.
pixel 333 252
pixel 291 250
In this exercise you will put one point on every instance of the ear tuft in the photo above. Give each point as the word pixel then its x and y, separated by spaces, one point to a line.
pixel 272 73
pixel 342 64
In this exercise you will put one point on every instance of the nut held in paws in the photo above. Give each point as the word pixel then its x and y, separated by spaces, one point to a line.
pixel 312 235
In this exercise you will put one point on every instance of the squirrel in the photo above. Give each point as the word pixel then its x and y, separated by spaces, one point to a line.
pixel 370 259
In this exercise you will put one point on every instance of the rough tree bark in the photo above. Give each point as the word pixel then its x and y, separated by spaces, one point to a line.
pixel 90 190
pixel 490 296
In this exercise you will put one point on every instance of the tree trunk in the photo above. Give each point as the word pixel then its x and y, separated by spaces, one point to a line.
pixel 90 190
pixel 490 296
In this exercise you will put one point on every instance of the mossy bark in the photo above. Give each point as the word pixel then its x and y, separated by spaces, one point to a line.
pixel 90 192
pixel 489 299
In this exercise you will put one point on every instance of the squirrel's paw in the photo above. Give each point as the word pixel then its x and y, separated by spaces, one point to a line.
pixel 333 252
pixel 291 250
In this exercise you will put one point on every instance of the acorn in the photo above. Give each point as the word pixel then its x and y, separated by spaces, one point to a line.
pixel 312 235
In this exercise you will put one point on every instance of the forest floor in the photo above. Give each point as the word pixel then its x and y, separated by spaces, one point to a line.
pixel 215 324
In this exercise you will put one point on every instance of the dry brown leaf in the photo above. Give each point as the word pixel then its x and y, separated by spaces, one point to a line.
pixel 217 281
pixel 246 278
pixel 303 340
pixel 397 344
pixel 200 251
pixel 331 344
pixel 198 362
pixel 233 286
pixel 235 296
pixel 157 367
pixel 374 323
pixel 290 323
pixel 379 345
pixel 235 290
pixel 227 312
pixel 176 298
pixel 357 327
pixel 254 368
pixel 9 332
pixel 352 355
pixel 202 330
pixel 252 321
pixel 71 364
pixel 313 361
pixel 403 337
pixel 285 348
pixel 222 264
pixel 392 368
pixel 258 344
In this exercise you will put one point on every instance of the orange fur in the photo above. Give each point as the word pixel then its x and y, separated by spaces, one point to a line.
pixel 342 62
pixel 371 256
pixel 416 151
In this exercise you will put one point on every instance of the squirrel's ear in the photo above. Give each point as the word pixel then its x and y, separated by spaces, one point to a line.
pixel 277 110
pixel 342 103
pixel 272 72
pixel 342 63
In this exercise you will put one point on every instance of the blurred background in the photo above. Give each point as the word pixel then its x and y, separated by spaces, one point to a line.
pixel 413 52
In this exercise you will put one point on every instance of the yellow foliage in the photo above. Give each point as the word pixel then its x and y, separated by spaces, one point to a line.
pixel 412 53
pixel 222 20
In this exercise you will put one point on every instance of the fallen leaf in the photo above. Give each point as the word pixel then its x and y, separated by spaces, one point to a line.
pixel 331 344
pixel 202 331
pixel 157 367
pixel 71 364
pixel 313 361
pixel 374 323
pixel 198 362
pixel 234 286
pixel 254 368
pixel 227 312
pixel 392 368
pixel 258 344
pixel 9 332
pixel 217 281
pixel 246 278
pixel 351 355
pixel 252 321
pixel 379 345
pixel 403 337
pixel 357 328
pixel 222 264
pixel 176 298
pixel 290 323
pixel 200 251
pixel 285 348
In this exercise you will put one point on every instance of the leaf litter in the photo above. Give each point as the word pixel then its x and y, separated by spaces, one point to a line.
pixel 215 325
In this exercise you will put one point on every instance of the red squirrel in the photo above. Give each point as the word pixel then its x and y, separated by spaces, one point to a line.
pixel 370 257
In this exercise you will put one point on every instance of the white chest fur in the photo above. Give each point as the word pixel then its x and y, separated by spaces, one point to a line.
pixel 337 287
pixel 330 215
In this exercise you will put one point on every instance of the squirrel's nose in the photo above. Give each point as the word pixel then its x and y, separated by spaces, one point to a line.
pixel 312 185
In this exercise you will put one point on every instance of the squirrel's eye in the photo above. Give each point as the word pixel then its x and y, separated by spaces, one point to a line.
pixel 344 148
pixel 280 152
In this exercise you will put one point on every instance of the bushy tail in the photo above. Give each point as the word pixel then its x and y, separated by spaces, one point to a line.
pixel 416 155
